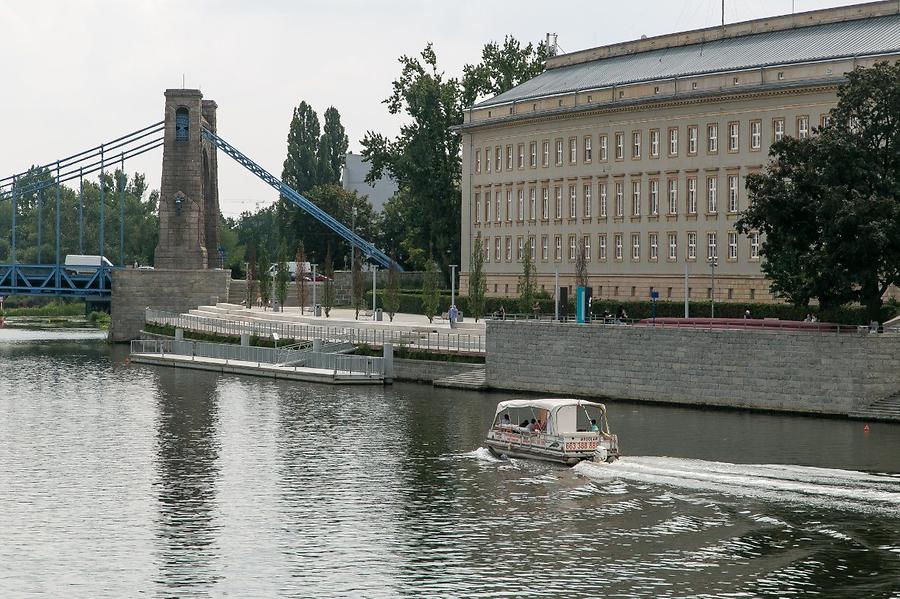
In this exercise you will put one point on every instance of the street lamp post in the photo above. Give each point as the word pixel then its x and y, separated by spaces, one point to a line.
pixel 453 268
pixel 374 284
pixel 314 289
pixel 713 263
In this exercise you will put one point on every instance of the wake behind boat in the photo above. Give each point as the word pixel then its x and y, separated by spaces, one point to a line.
pixel 557 430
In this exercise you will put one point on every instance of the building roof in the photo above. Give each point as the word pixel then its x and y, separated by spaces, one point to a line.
pixel 862 37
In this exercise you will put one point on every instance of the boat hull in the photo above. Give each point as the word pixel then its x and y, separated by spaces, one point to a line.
pixel 514 450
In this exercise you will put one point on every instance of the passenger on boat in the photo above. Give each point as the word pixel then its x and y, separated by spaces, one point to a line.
pixel 594 427
pixel 531 426
pixel 524 424
pixel 539 427
pixel 505 422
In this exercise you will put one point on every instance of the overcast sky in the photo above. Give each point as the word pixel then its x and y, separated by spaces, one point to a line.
pixel 78 73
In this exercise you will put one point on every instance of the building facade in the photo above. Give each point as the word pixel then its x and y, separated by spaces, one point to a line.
pixel 639 152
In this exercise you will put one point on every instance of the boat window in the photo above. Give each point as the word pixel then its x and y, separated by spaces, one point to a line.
pixel 519 417
pixel 587 413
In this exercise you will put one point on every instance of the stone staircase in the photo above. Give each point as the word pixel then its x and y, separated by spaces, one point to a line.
pixel 887 409
pixel 471 380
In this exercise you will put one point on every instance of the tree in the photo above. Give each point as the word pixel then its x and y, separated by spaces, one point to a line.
pixel 328 291
pixel 301 168
pixel 282 277
pixel 581 276
pixel 829 205
pixel 392 291
pixel 300 279
pixel 527 287
pixel 265 278
pixel 431 290
pixel 358 293
pixel 332 150
pixel 252 278
pixel 477 279
pixel 502 68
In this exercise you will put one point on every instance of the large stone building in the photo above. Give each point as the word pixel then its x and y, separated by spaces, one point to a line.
pixel 640 151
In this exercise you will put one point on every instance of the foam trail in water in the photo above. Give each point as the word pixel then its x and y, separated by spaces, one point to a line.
pixel 482 454
pixel 836 488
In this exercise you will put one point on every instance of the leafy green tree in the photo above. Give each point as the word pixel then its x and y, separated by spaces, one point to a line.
pixel 300 279
pixel 431 290
pixel 502 67
pixel 302 163
pixel 392 291
pixel 477 279
pixel 358 293
pixel 282 277
pixel 332 150
pixel 328 291
pixel 348 207
pixel 829 205
pixel 265 277
pixel 527 287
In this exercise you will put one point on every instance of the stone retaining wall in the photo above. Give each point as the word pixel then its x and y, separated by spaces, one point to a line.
pixel 426 371
pixel 826 373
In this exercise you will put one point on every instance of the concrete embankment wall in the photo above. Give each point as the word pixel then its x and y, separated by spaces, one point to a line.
pixel 173 290
pixel 826 373
pixel 426 371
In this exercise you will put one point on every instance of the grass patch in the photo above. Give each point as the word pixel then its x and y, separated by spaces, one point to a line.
pixel 48 310
pixel 404 353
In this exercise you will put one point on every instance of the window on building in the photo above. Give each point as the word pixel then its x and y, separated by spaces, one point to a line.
pixel 509 205
pixel 601 243
pixel 545 248
pixel 733 193
pixel 604 148
pixel 754 246
pixel 636 145
pixel 509 158
pixel 711 196
pixel 673 141
pixel 654 246
pixel 532 248
pixel 487 159
pixel 509 249
pixel 825 121
pixel 497 216
pixel 532 156
pixel 558 253
pixel 558 192
pixel 573 150
pixel 732 246
pixel 586 242
pixel 532 204
pixel 618 245
pixel 803 127
pixel 588 149
pixel 477 209
pixel 620 199
pixel 635 198
pixel 712 138
pixel 601 194
pixel 635 246
pixel 182 124
pixel 673 196
pixel 692 195
pixel 520 249
pixel 487 206
pixel 693 134
pixel 778 129
pixel 545 204
pixel 520 151
pixel 755 135
pixel 477 161
pixel 520 213
pixel 654 197
pixel 573 248
pixel 573 202
pixel 545 153
pixel 487 249
pixel 692 245
pixel 654 143
pixel 559 152
pixel 733 137
pixel 498 249
pixel 620 146
pixel 498 159
pixel 673 246
pixel 588 201
pixel 712 246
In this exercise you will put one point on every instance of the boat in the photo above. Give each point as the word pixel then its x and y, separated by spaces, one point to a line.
pixel 567 431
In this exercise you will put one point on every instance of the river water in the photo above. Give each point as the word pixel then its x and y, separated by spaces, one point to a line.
pixel 126 480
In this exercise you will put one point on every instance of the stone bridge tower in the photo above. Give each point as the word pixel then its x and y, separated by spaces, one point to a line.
pixel 189 192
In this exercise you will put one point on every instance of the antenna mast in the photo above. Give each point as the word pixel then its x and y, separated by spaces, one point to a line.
pixel 723 13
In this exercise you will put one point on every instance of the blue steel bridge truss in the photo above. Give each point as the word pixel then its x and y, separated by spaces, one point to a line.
pixel 95 284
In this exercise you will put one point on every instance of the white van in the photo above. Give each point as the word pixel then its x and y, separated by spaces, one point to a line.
pixel 80 264
pixel 292 268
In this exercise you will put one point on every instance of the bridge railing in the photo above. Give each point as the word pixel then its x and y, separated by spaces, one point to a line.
pixel 413 339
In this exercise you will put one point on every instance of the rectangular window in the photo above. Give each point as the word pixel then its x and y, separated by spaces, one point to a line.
pixel 692 195
pixel 498 159
pixel 520 156
pixel 635 246
pixel 654 246
pixel 557 255
pixel 573 202
pixel 532 248
pixel 601 192
pixel 509 158
pixel 487 249
pixel 509 206
pixel 620 146
pixel 711 196
pixel 673 141
pixel 508 249
pixel 532 148
pixel 618 246
pixel 635 198
pixel 520 213
pixel 588 150
pixel 654 143
pixel 477 161
pixel 497 216
pixel 673 246
pixel 601 243
pixel 545 247
pixel 588 201
pixel 532 203
pixel 573 248
pixel 545 204
pixel 545 154
pixel 559 152
pixel 803 127
pixel 711 246
pixel 487 206
pixel 654 197
pixel 573 150
pixel 733 193
pixel 636 145
pixel 498 249
pixel 712 138
pixel 558 192
pixel 825 121
pixel 620 199
pixel 520 249
pixel 778 129
pixel 754 246
pixel 692 245
pixel 755 135
pixel 732 246
pixel 693 135
pixel 487 159
pixel 733 137
pixel 673 196
pixel 604 148
pixel 586 242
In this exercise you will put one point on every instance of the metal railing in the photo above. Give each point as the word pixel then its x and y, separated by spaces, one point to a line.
pixel 289 358
pixel 430 341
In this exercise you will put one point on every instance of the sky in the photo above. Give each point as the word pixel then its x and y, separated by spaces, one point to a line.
pixel 74 74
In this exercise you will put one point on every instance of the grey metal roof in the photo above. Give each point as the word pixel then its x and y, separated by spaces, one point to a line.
pixel 876 35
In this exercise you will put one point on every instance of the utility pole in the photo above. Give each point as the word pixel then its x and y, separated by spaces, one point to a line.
pixel 453 284
pixel 713 263
pixel 314 289
pixel 374 284
pixel 723 13
pixel 687 293
pixel 556 294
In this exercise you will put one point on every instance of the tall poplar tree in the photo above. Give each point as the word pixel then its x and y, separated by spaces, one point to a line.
pixel 332 150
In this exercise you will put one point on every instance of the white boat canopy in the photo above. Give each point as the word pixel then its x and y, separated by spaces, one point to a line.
pixel 563 413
